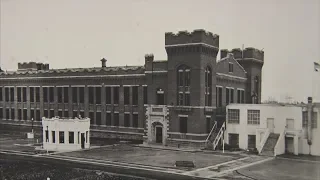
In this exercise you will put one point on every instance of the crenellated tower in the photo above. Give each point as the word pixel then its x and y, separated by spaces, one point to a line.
pixel 252 60
pixel 191 67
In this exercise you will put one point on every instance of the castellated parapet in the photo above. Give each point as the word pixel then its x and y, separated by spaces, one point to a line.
pixel 197 36
pixel 247 53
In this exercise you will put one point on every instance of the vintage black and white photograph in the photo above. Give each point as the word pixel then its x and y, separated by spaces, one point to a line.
pixel 159 90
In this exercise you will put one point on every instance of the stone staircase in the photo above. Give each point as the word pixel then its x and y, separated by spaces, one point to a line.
pixel 268 148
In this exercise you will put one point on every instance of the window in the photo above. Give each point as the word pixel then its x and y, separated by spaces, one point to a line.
pixel 145 94
pixel 81 94
pixel 183 124
pixel 1 98
pixel 25 116
pixel 115 95
pixel 31 94
pixel 52 113
pixel 59 95
pixel 61 137
pixel 18 94
pixel 71 137
pixel 108 95
pixel 53 133
pixel 233 116
pixel 60 113
pixel 160 96
pixel 74 113
pixel 256 88
pixel 98 95
pixel 7 113
pixel 19 114
pixel 208 86
pixel 87 136
pixel 45 94
pixel 47 135
pixel 305 119
pixel 126 95
pixel 135 95
pixel 208 123
pixel 51 94
pixel 37 94
pixel 230 67
pixel 219 96
pixel 98 118
pixel 1 113
pixel 227 96
pixel 91 116
pixel 242 97
pixel 135 120
pixel 12 94
pixel 74 94
pixel 253 116
pixel 46 113
pixel 232 96
pixel 108 119
pixel 24 94
pixel 183 76
pixel 91 95
pixel 6 95
pixel 234 140
pixel 38 118
pixel 66 113
pixel 32 114
pixel 126 120
pixel 251 141
pixel 116 119
pixel 314 120
pixel 12 114
pixel 65 95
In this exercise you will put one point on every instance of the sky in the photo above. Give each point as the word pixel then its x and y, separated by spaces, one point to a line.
pixel 78 33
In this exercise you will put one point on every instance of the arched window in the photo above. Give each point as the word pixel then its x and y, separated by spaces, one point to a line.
pixel 208 87
pixel 183 75
pixel 256 88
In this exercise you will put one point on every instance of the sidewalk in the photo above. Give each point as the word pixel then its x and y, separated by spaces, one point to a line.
pixel 308 158
pixel 154 146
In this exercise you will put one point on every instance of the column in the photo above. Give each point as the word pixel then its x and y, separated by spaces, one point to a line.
pixel 103 105
pixel 15 103
pixel 296 145
pixel 141 113
pixel 121 106
pixel 70 101
pixel 28 104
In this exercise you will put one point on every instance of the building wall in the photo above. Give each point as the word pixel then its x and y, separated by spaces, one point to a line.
pixel 279 113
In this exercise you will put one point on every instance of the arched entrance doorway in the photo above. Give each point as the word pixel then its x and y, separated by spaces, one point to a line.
pixel 157 129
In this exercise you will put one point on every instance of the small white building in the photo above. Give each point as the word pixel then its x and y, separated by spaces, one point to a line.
pixel 61 134
pixel 273 128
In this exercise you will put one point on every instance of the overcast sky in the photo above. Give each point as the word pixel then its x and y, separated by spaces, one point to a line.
pixel 78 33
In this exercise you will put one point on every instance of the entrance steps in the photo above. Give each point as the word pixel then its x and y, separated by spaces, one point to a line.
pixel 227 167
pixel 268 148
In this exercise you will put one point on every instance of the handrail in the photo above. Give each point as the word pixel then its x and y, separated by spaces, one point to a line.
pixel 280 138
pixel 220 133
pixel 264 140
pixel 214 125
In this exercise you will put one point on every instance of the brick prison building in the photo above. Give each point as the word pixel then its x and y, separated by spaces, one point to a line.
pixel 177 102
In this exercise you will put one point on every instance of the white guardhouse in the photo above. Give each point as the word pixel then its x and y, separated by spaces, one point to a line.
pixel 64 134
pixel 274 129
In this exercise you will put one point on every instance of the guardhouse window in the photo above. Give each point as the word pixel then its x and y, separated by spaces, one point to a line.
pixel 208 86
pixel 53 133
pixel 61 137
pixel 71 137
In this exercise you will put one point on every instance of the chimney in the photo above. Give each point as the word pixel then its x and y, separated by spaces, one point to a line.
pixel 148 62
pixel 103 62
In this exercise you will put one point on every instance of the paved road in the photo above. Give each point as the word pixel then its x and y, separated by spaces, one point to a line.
pixel 145 173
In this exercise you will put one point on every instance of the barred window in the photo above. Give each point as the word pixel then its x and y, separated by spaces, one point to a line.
pixel 233 116
pixel 314 119
pixel 305 119
pixel 253 116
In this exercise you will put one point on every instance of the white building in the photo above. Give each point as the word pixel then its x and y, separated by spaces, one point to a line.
pixel 273 128
pixel 60 134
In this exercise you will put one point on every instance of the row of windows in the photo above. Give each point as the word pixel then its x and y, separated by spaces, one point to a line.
pixel 234 140
pixel 234 116
pixel 61 137
pixel 78 94
pixel 229 96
